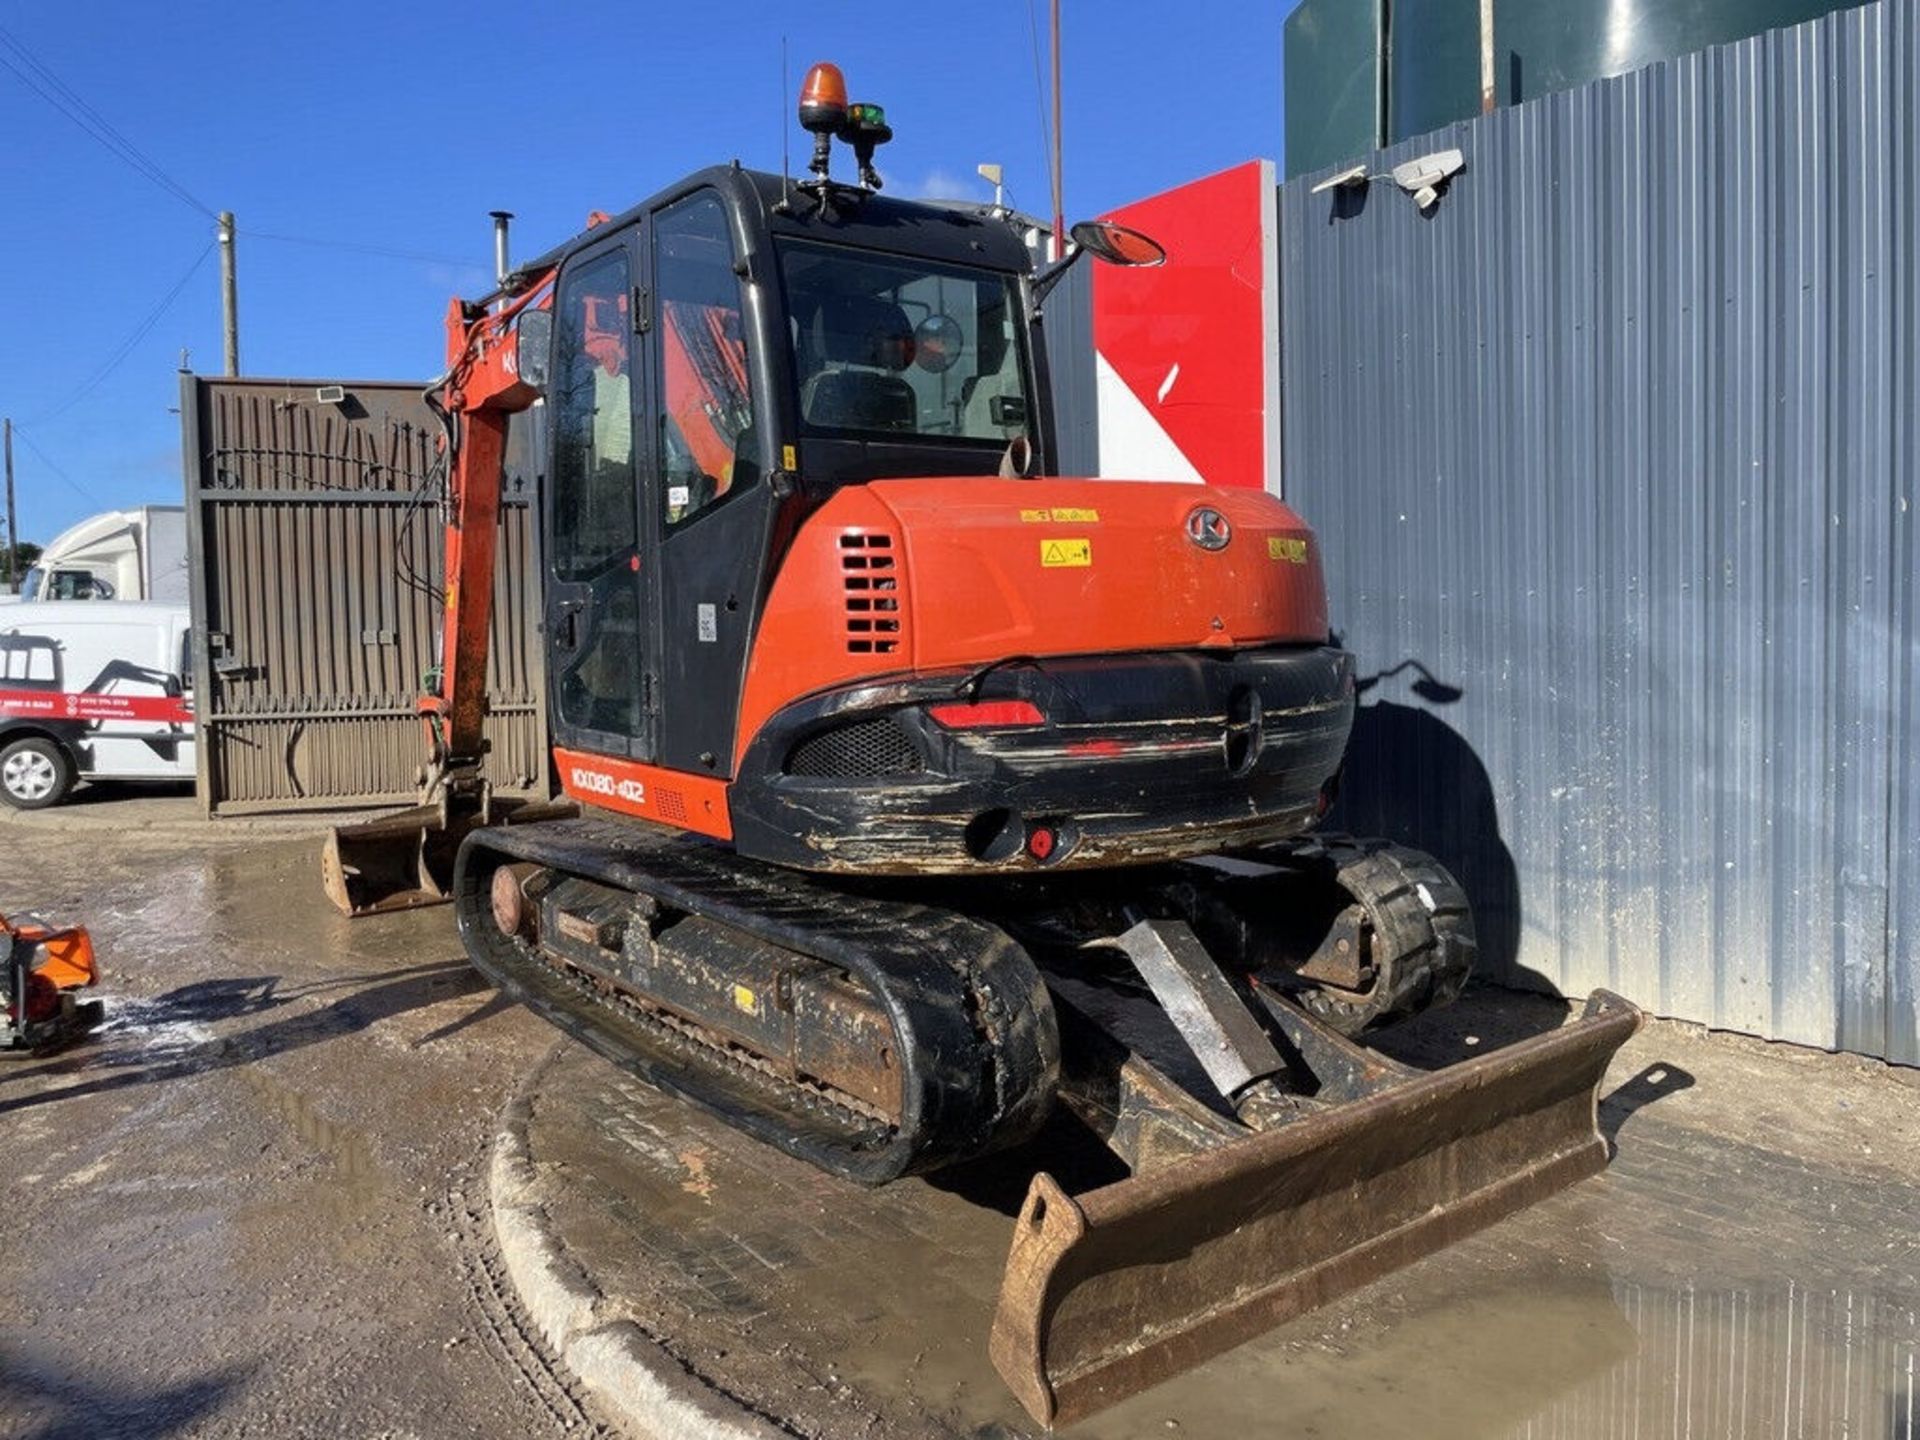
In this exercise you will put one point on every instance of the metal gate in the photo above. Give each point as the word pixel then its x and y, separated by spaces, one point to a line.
pixel 315 543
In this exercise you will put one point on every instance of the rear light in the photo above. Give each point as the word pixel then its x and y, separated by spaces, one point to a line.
pixel 987 714
pixel 1041 841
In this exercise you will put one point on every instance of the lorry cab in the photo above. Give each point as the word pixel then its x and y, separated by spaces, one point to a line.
pixel 137 554
pixel 92 692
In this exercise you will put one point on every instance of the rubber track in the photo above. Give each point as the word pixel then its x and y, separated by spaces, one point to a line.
pixel 1424 943
pixel 975 1031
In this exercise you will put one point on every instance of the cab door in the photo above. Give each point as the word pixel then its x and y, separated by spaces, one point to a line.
pixel 598 612
pixel 705 490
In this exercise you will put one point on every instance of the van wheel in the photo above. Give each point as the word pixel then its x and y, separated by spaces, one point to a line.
pixel 34 773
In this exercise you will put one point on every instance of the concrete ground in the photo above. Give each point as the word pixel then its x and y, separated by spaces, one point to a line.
pixel 254 1204
pixel 257 1204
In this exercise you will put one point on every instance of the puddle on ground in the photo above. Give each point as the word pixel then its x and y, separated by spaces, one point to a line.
pixel 891 1293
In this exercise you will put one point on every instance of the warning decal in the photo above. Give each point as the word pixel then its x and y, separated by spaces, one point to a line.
pixel 1061 515
pixel 1281 547
pixel 1057 553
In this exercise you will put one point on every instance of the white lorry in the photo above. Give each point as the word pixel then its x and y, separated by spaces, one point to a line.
pixel 137 554
pixel 92 692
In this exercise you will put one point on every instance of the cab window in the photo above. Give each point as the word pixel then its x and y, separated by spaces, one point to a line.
pixel 892 346
pixel 705 450
pixel 590 400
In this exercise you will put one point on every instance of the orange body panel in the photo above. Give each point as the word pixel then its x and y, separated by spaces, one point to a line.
pixel 970 570
pixel 805 641
pixel 651 792
pixel 1090 567
pixel 66 955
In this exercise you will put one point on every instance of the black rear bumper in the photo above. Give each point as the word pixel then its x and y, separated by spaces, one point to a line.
pixel 1140 758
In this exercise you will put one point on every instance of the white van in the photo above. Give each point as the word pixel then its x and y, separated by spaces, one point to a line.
pixel 92 692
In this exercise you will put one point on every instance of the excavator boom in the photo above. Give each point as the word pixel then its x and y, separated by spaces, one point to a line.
pixel 404 860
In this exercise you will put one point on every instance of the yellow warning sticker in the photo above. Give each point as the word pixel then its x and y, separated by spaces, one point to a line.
pixel 1061 515
pixel 1283 547
pixel 788 459
pixel 746 1000
pixel 1056 553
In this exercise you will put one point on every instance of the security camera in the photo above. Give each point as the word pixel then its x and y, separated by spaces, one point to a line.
pixel 1352 175
pixel 1422 178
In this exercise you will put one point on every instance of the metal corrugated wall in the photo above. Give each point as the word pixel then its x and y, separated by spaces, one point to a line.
pixel 1619 445
pixel 304 527
pixel 1068 325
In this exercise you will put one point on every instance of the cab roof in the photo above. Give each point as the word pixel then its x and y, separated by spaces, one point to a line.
pixel 955 233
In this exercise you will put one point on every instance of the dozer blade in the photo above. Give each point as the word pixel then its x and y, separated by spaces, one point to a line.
pixel 1114 1290
pixel 405 860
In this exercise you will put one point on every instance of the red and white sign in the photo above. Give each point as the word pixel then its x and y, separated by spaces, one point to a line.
pixel 1187 354
pixel 83 705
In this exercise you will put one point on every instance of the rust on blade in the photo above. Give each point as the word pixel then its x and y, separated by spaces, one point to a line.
pixel 1115 1290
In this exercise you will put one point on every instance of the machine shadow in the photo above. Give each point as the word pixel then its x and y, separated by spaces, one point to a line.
pixel 56 1406
pixel 155 1058
pixel 1654 1082
pixel 1411 777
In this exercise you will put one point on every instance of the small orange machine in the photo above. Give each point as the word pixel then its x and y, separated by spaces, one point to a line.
pixel 46 967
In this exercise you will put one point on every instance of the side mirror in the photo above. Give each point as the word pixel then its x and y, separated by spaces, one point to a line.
pixel 533 342
pixel 1116 244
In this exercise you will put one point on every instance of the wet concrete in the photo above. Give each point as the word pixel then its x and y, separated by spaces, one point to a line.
pixel 1750 1265
pixel 253 1203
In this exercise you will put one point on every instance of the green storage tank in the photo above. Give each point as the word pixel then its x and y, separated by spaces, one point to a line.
pixel 1361 74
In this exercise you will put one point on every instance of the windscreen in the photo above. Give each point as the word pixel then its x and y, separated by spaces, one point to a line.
pixel 895 347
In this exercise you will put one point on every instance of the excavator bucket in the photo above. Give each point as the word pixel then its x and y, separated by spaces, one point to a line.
pixel 405 860
pixel 1114 1290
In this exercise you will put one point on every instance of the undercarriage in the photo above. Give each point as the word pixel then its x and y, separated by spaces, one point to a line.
pixel 1197 1019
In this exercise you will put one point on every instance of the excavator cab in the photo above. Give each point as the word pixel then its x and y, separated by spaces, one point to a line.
pixel 724 359
pixel 926 800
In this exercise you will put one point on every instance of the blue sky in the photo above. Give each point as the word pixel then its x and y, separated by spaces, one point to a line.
pixel 399 126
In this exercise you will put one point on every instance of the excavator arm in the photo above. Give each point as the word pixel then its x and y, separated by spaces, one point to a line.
pixel 406 859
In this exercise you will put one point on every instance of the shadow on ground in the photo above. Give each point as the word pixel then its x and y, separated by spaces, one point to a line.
pixel 155 1054
pixel 60 1407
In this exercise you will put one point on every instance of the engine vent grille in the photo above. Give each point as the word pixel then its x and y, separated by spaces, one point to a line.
pixel 871 575
pixel 866 747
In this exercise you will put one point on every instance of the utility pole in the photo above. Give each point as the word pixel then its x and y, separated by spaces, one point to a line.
pixel 229 293
pixel 13 537
pixel 1059 209
pixel 1488 91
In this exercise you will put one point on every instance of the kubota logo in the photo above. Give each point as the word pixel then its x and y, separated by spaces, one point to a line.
pixel 1208 528
pixel 598 782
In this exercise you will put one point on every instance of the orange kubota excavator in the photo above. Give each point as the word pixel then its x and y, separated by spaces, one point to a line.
pixel 901 767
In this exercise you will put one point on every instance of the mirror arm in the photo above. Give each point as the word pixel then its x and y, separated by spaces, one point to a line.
pixel 1044 282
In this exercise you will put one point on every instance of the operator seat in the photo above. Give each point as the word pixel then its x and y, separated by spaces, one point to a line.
pixel 874 336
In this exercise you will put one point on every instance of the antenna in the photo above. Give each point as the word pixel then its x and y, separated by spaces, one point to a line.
pixel 786 164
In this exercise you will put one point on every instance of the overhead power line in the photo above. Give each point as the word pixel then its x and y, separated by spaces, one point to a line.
pixel 29 70
pixel 126 346
pixel 66 479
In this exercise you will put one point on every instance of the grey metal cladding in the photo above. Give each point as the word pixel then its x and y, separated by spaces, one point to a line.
pixel 1068 332
pixel 305 520
pixel 1619 445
